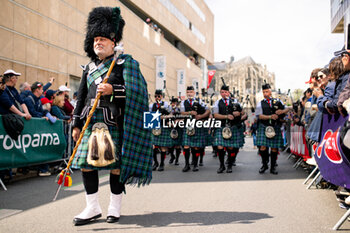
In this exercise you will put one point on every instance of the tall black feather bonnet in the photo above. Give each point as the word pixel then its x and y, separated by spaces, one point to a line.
pixel 106 22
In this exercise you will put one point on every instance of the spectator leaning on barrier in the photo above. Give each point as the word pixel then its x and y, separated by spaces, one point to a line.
pixel 68 107
pixel 10 100
pixel 331 105
pixel 56 110
pixel 34 104
pixel 336 68
pixel 345 94
pixel 322 92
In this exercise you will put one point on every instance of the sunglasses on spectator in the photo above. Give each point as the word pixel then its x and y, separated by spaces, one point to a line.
pixel 157 96
pixel 321 76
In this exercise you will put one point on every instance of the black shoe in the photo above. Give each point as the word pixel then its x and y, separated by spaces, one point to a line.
pixel 171 160
pixel 80 222
pixel 112 219
pixel 192 162
pixel 234 164
pixel 186 168
pixel 229 169
pixel 263 169
pixel 155 165
pixel 161 168
pixel 201 164
pixel 273 171
pixel 176 162
pixel 221 169
pixel 195 168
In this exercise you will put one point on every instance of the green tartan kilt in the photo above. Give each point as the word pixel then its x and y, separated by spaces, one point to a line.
pixel 234 141
pixel 210 138
pixel 242 138
pixel 164 139
pixel 197 140
pixel 178 140
pixel 262 140
pixel 80 161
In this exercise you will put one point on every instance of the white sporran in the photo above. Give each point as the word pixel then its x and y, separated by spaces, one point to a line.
pixel 174 134
pixel 101 149
pixel 270 132
pixel 190 131
pixel 226 132
pixel 156 132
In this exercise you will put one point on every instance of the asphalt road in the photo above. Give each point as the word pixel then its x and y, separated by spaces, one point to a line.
pixel 203 201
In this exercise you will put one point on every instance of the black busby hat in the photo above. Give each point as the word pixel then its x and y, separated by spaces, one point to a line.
pixel 190 88
pixel 174 100
pixel 225 88
pixel 158 92
pixel 106 22
pixel 266 86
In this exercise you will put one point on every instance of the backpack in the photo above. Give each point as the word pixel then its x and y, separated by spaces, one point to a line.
pixel 13 125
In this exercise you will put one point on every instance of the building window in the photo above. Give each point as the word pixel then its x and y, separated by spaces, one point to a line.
pixel 196 9
pixel 182 18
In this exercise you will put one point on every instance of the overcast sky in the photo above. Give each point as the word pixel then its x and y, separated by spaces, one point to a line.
pixel 290 37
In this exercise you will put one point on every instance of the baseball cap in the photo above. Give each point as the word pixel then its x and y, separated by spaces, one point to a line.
pixel 49 93
pixel 11 72
pixel 63 88
pixel 338 53
pixel 36 85
pixel 45 101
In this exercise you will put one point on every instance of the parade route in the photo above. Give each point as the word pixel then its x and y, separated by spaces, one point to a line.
pixel 203 201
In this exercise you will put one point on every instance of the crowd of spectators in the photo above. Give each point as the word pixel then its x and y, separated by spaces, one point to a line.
pixel 154 26
pixel 35 100
pixel 328 93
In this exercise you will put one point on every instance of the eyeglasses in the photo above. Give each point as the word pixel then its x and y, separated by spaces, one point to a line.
pixel 157 96
pixel 321 76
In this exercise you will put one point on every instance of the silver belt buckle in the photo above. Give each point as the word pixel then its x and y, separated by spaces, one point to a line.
pixel 92 103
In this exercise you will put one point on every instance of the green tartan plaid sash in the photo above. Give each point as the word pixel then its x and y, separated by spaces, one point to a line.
pixel 136 159
pixel 101 70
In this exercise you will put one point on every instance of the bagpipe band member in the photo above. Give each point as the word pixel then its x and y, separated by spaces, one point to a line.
pixel 194 138
pixel 160 137
pixel 228 136
pixel 270 112
pixel 176 132
pixel 113 140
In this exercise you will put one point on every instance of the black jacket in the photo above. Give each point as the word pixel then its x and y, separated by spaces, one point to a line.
pixel 112 105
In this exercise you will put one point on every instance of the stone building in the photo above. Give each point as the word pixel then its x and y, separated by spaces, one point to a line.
pixel 44 38
pixel 244 77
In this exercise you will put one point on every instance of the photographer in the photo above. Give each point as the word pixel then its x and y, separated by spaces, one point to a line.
pixel 10 100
